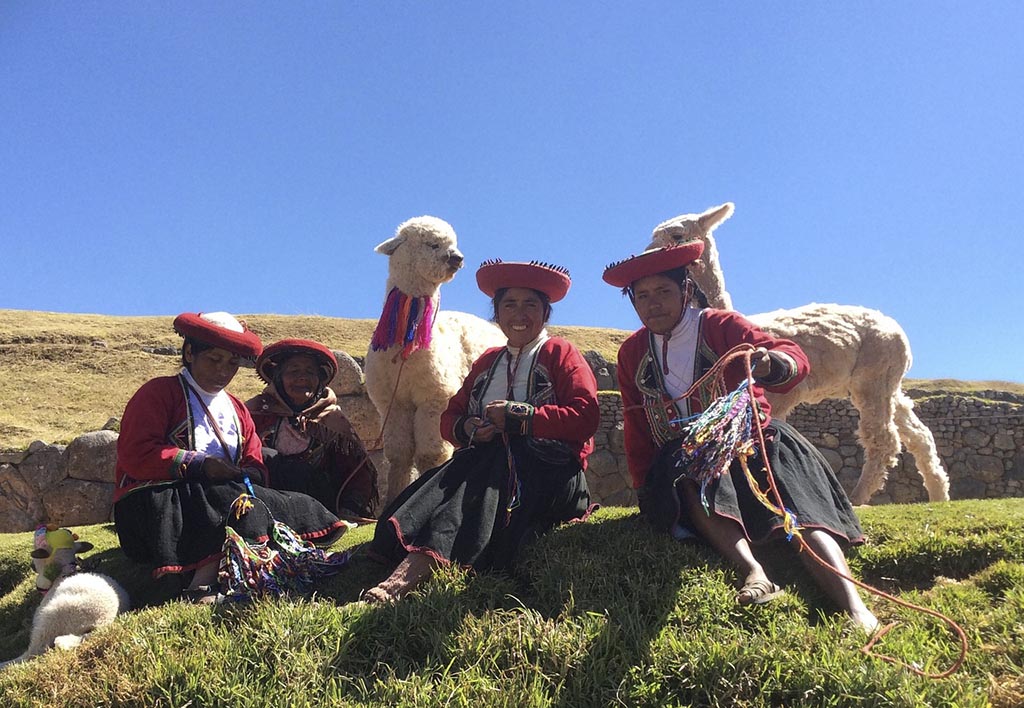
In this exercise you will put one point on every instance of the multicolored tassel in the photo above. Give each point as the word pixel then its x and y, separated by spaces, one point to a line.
pixel 405 320
pixel 285 563
pixel 722 433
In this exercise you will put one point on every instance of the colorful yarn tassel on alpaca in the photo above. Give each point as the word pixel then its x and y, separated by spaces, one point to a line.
pixel 407 321
pixel 716 437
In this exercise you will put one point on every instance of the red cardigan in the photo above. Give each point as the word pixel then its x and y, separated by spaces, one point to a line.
pixel 157 443
pixel 561 388
pixel 648 410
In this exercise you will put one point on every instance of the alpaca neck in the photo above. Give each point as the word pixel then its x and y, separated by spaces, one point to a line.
pixel 711 278
pixel 415 286
pixel 406 321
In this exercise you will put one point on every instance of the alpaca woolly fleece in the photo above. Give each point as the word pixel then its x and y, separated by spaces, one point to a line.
pixel 74 606
pixel 855 352
pixel 410 394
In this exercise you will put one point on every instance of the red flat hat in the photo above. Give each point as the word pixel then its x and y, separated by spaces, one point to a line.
pixel 276 354
pixel 552 280
pixel 219 329
pixel 656 260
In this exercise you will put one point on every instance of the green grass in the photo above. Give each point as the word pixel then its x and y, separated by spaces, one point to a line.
pixel 603 613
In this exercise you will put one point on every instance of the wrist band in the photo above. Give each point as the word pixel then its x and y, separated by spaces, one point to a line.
pixel 518 417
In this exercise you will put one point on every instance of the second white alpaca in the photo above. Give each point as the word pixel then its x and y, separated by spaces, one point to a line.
pixel 411 393
pixel 855 353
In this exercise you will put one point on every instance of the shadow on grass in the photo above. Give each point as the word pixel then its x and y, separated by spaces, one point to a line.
pixel 617 567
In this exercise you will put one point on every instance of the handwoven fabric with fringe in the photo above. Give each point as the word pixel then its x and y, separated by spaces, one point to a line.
pixel 406 321
pixel 284 563
pixel 716 437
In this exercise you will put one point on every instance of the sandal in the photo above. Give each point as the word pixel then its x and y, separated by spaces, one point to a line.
pixel 758 592
pixel 201 595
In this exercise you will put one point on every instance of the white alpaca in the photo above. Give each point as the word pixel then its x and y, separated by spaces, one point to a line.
pixel 855 353
pixel 74 605
pixel 411 393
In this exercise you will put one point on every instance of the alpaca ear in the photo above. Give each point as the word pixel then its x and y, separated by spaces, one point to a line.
pixel 40 554
pixel 82 547
pixel 391 245
pixel 715 216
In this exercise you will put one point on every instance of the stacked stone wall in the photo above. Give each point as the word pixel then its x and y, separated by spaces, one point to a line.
pixel 980 440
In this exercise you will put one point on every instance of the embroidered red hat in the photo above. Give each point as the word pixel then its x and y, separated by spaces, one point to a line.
pixel 552 280
pixel 277 353
pixel 653 261
pixel 219 329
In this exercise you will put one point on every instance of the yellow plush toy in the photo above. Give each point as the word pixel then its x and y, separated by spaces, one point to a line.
pixel 54 555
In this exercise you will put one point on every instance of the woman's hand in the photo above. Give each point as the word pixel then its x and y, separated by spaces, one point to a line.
pixel 479 430
pixel 495 414
pixel 760 363
pixel 216 469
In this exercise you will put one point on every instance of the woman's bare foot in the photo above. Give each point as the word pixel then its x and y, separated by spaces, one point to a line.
pixel 866 621
pixel 413 570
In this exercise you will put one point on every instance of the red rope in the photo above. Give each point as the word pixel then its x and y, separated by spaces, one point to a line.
pixel 716 372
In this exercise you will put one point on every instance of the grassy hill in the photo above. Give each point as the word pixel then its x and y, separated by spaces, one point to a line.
pixel 597 614
pixel 603 613
pixel 63 374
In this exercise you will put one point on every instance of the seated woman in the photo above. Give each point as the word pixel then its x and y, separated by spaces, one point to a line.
pixel 308 444
pixel 657 365
pixel 523 423
pixel 186 450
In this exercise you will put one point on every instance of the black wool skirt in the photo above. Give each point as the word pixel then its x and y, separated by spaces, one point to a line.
pixel 808 487
pixel 179 526
pixel 459 511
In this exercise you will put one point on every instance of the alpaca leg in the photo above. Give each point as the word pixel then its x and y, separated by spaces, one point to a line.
pixel 919 441
pixel 399 443
pixel 878 436
pixel 431 449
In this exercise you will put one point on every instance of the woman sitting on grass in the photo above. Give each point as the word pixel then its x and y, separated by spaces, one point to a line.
pixel 656 366
pixel 308 444
pixel 186 451
pixel 523 424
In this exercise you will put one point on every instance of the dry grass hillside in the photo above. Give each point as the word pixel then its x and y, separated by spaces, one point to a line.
pixel 65 374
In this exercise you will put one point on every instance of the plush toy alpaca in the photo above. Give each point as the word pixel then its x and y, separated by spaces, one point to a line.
pixel 418 356
pixel 855 353
pixel 73 603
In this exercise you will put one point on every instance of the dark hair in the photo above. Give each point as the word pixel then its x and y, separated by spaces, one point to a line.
pixel 500 293
pixel 196 346
pixel 676 275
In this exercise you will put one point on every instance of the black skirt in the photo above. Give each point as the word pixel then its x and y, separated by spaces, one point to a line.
pixel 459 511
pixel 805 481
pixel 178 527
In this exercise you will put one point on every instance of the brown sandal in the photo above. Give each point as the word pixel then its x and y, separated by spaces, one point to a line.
pixel 758 592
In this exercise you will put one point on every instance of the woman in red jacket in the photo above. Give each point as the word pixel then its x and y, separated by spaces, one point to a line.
pixel 522 423
pixel 309 445
pixel 184 453
pixel 656 366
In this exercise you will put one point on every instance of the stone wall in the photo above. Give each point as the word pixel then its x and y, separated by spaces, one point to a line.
pixel 980 439
pixel 66 485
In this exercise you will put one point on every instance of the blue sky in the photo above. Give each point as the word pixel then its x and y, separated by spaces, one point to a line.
pixel 163 157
